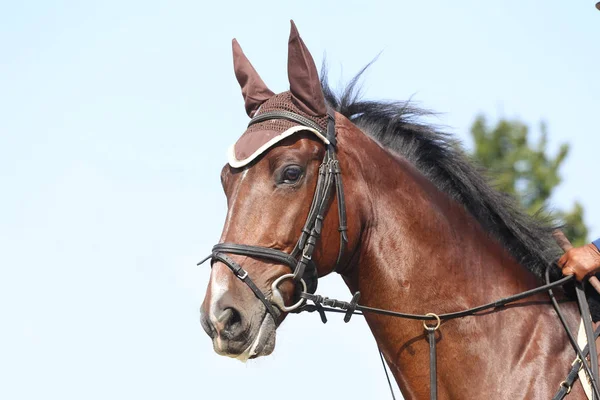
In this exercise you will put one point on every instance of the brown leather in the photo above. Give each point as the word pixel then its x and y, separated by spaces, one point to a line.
pixel 254 90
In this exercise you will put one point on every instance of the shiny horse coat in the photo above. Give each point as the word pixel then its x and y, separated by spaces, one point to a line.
pixel 425 233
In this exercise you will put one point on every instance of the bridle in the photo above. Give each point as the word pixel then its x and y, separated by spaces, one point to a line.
pixel 304 270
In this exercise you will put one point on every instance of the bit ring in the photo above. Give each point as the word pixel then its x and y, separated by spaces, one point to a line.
pixel 277 298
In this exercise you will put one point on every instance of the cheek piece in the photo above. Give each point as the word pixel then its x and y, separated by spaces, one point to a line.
pixel 300 262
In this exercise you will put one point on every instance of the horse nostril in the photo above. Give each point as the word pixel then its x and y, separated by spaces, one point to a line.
pixel 225 316
pixel 228 320
pixel 236 318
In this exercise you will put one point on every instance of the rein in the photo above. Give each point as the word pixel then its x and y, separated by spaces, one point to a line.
pixel 304 272
pixel 324 304
pixel 352 308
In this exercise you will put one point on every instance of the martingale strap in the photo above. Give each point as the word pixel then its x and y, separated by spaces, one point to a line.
pixel 324 304
pixel 566 385
pixel 591 346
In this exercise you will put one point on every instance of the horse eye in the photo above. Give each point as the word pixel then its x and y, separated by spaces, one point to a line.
pixel 291 174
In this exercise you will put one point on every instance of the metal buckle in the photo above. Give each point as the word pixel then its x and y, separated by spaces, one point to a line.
pixel 242 276
pixel 566 386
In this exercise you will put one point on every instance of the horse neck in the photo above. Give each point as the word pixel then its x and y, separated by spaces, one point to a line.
pixel 420 251
pixel 415 235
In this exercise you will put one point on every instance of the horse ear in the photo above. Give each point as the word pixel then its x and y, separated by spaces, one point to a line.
pixel 254 90
pixel 304 77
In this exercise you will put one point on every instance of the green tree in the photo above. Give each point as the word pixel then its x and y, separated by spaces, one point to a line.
pixel 525 170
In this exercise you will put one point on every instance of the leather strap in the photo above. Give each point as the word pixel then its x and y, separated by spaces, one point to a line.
pixel 567 384
pixel 290 116
pixel 387 376
pixel 242 275
pixel 256 251
pixel 310 274
pixel 586 317
pixel 572 339
pixel 333 305
pixel 343 228
pixel 432 365
pixel 359 309
pixel 331 126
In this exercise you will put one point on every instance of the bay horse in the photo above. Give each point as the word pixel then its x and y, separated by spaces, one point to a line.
pixel 414 227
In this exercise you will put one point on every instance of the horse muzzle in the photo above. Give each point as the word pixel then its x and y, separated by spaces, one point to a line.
pixel 239 338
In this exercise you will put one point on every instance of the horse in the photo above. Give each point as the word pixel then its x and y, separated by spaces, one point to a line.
pixel 416 226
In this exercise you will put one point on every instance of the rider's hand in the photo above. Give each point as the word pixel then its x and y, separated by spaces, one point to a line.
pixel 580 261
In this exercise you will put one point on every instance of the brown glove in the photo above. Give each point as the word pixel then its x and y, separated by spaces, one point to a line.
pixel 580 261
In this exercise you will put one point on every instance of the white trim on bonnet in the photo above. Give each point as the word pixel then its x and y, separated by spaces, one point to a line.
pixel 235 163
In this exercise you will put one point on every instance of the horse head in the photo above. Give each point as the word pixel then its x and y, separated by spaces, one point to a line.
pixel 281 183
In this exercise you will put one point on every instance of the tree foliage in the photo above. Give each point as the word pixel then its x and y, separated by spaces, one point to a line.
pixel 525 170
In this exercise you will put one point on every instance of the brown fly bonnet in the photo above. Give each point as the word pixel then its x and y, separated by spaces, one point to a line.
pixel 305 98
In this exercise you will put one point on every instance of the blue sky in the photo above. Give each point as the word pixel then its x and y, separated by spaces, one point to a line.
pixel 114 121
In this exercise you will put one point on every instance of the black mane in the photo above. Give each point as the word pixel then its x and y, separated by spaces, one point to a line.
pixel 441 158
